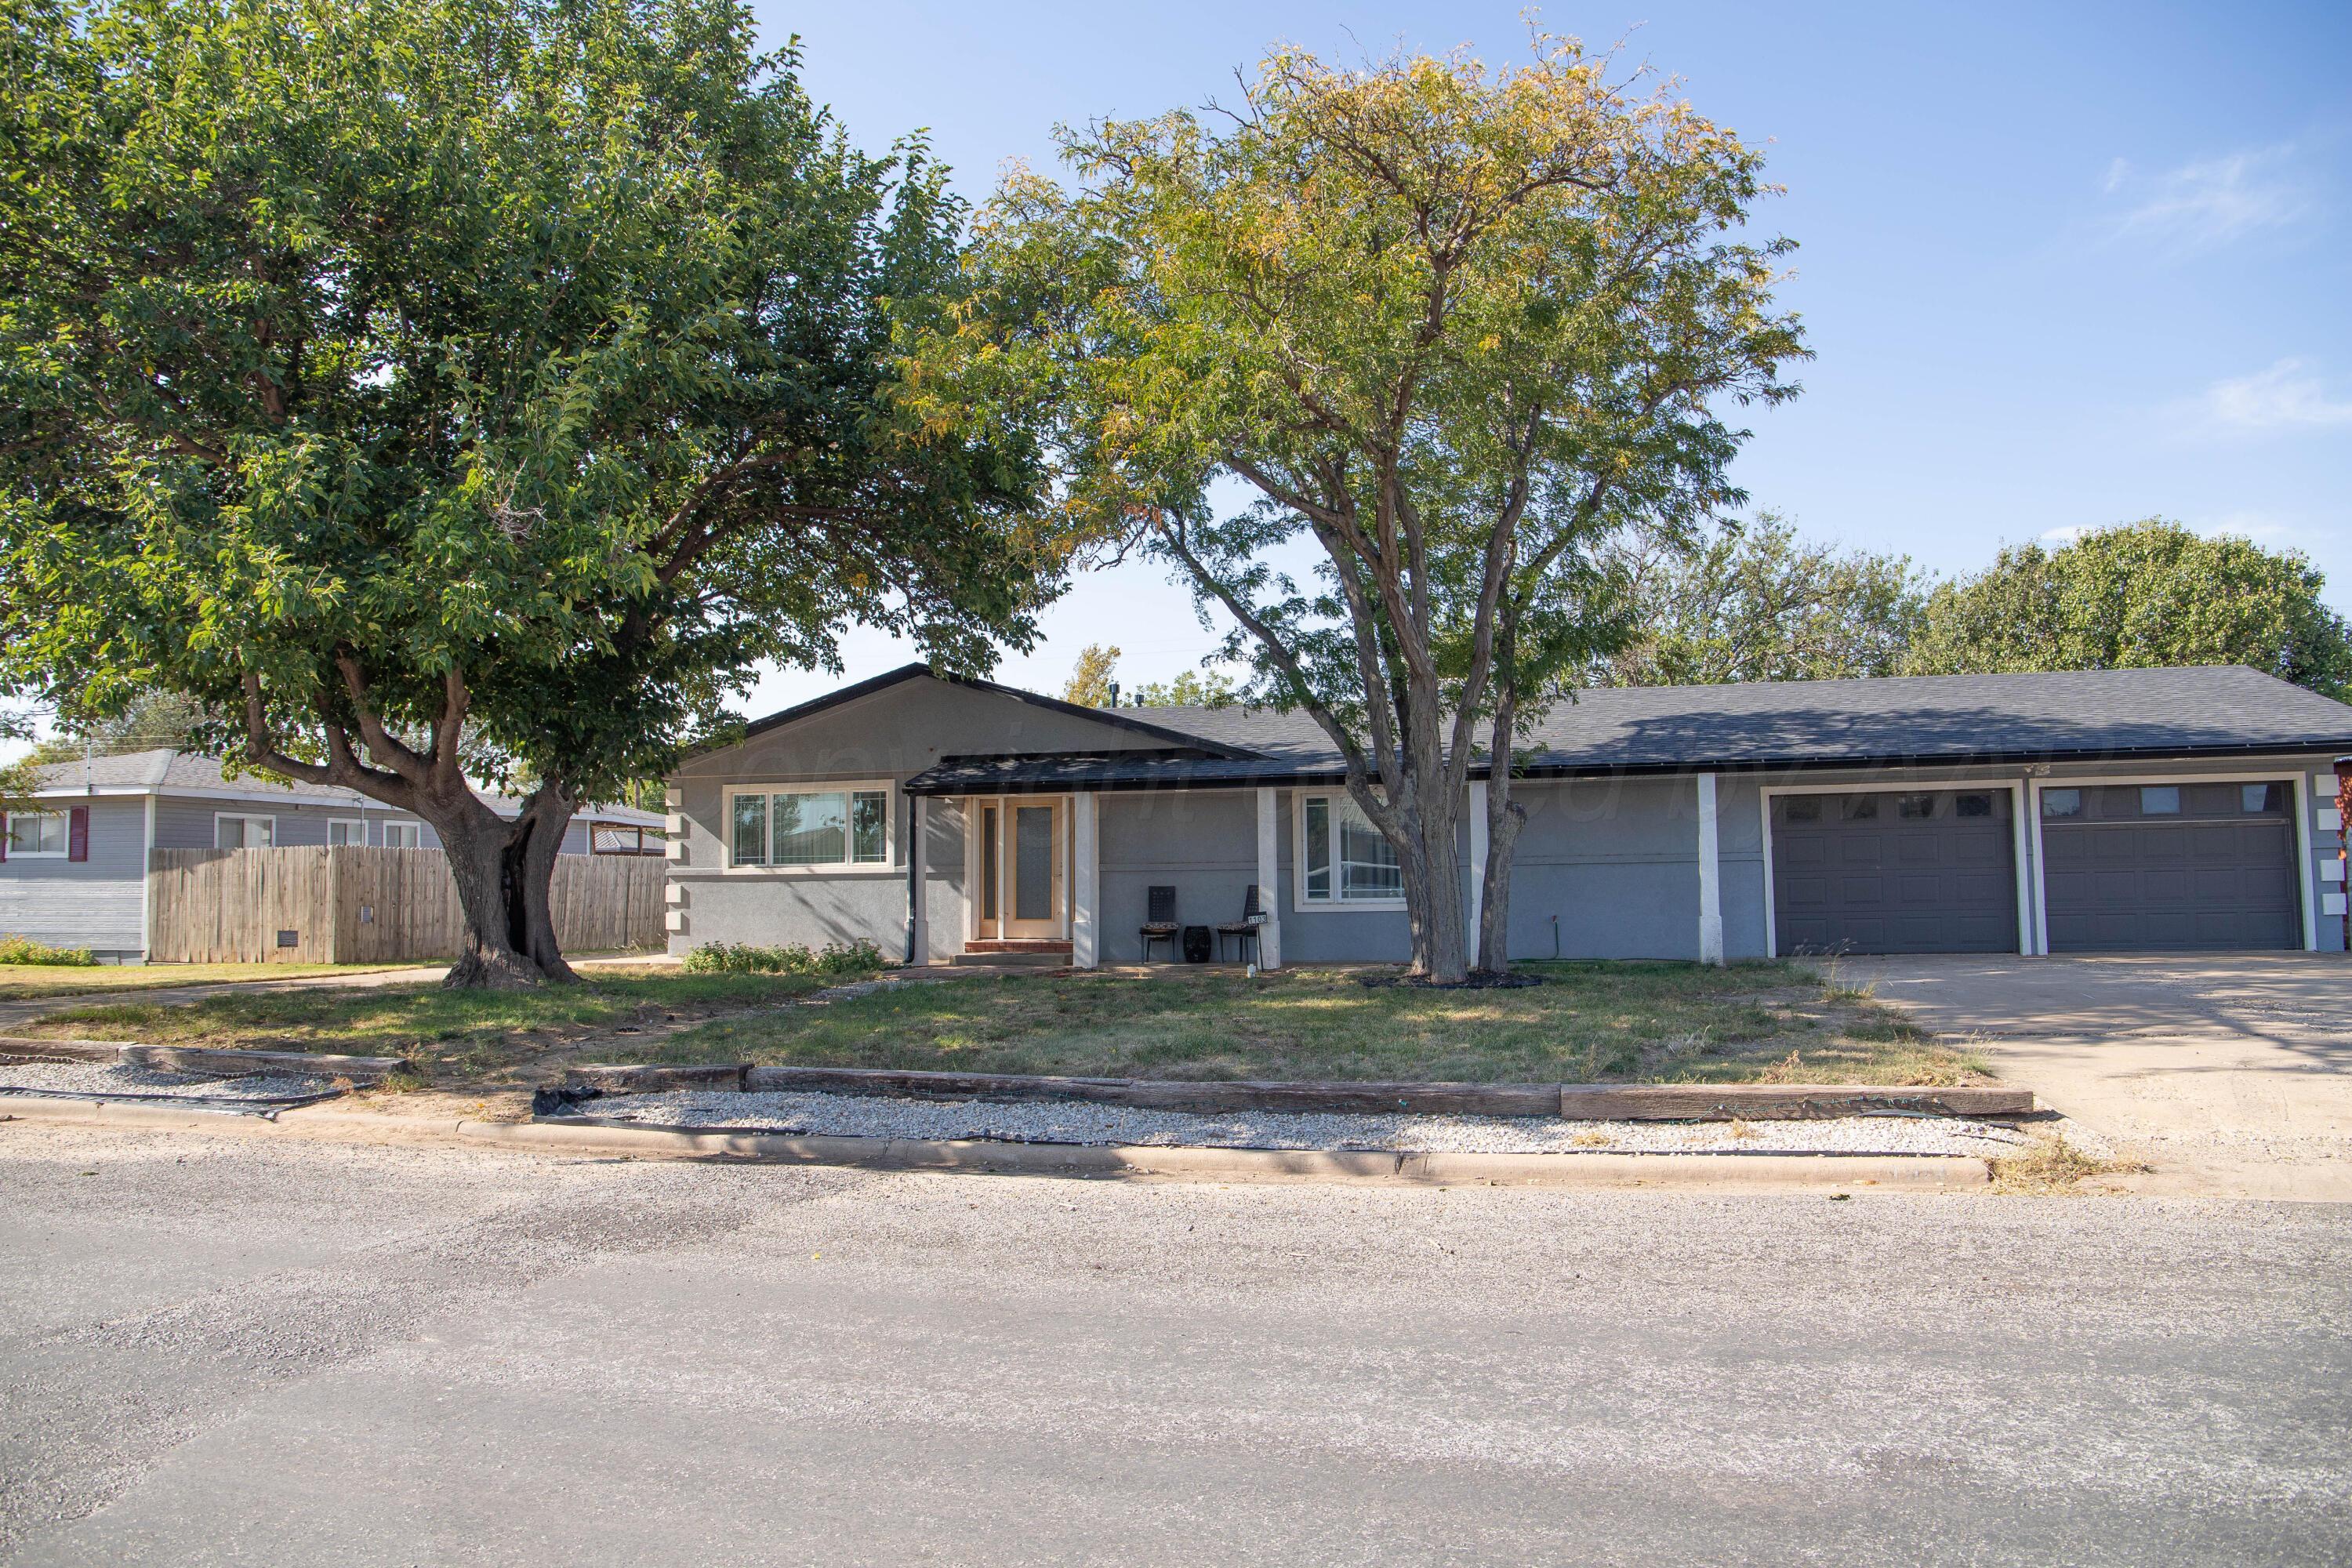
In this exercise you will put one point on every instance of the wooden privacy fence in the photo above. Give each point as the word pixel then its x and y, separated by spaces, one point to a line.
pixel 346 904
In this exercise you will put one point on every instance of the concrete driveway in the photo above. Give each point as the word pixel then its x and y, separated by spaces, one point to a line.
pixel 2230 1072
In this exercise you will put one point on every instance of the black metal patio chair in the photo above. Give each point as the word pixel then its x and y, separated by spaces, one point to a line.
pixel 1160 922
pixel 1244 930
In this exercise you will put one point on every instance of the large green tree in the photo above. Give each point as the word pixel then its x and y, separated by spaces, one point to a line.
pixel 1756 601
pixel 1450 326
pixel 436 388
pixel 2138 595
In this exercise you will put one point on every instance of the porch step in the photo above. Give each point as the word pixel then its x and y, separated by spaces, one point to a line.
pixel 1018 944
pixel 1011 958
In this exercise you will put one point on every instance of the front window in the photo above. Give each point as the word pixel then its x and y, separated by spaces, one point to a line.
pixel 36 832
pixel 810 827
pixel 404 836
pixel 346 830
pixel 1348 860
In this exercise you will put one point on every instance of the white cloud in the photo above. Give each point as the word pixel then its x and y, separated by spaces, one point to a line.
pixel 2207 203
pixel 2287 396
pixel 2066 535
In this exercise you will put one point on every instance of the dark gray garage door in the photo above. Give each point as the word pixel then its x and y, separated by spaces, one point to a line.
pixel 1927 871
pixel 2131 867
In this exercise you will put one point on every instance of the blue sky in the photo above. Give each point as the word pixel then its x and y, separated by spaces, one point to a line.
pixel 2062 266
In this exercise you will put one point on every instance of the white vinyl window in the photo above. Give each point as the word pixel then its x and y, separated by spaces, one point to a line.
pixel 808 829
pixel 36 832
pixel 346 830
pixel 233 832
pixel 1343 858
pixel 404 836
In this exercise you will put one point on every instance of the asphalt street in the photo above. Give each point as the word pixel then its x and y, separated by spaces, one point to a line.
pixel 223 1350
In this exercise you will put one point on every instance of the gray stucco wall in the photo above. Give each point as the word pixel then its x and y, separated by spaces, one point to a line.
pixel 1615 860
pixel 891 734
pixel 94 903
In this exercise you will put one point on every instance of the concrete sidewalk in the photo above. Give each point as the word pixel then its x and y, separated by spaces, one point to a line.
pixel 2231 1073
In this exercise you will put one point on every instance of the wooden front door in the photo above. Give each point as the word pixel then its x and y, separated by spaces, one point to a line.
pixel 1020 863
pixel 1033 866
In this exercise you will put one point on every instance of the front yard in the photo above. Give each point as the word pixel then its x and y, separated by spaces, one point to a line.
pixel 1588 1023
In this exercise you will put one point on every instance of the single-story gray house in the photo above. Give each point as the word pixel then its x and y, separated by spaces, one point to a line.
pixel 2113 810
pixel 73 874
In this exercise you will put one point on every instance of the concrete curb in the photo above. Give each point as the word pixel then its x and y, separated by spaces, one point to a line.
pixel 1573 1101
pixel 1732 1173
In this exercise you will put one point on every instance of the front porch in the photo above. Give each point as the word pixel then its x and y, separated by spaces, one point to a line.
pixel 1032 876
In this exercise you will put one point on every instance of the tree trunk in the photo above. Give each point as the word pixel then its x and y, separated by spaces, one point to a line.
pixel 1431 864
pixel 1505 817
pixel 503 871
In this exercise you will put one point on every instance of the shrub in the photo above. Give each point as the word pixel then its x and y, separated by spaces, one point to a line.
pixel 749 958
pixel 25 949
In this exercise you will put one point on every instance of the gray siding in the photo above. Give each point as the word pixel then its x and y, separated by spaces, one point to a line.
pixel 94 903
pixel 185 821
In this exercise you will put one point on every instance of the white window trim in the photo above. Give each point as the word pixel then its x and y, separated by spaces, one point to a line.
pixel 890 866
pixel 2025 846
pixel 358 822
pixel 270 817
pixel 415 826
pixel 65 819
pixel 1300 902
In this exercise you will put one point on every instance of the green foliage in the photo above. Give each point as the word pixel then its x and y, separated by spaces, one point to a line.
pixel 1090 678
pixel 1758 603
pixel 25 949
pixel 147 721
pixel 1190 689
pixel 2138 595
pixel 859 957
pixel 1453 325
pixel 500 367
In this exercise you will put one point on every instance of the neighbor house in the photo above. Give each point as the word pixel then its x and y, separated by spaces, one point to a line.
pixel 72 873
pixel 2096 811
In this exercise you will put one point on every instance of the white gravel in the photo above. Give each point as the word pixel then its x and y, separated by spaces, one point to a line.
pixel 114 1077
pixel 1067 1122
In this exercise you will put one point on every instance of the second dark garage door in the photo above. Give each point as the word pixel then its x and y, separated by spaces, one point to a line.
pixel 1910 872
pixel 2140 867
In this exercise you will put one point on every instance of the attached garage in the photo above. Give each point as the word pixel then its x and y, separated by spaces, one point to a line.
pixel 2170 867
pixel 1895 871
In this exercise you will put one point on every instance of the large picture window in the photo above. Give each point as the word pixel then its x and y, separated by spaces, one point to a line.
pixel 809 827
pixel 1346 859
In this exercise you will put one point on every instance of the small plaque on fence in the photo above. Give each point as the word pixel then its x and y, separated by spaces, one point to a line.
pixel 290 939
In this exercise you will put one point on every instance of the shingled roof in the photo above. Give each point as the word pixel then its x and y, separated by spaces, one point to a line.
pixel 167 771
pixel 2209 711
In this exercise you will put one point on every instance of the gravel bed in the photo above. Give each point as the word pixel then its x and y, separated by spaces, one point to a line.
pixel 862 1116
pixel 115 1078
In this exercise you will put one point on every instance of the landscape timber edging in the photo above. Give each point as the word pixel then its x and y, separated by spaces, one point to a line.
pixel 1573 1101
pixel 1735 1172
pixel 197 1058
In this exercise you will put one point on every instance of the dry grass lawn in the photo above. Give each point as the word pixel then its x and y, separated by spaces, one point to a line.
pixel 1587 1022
pixel 21 981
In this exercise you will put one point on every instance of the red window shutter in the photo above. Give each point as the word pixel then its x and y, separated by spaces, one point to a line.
pixel 78 834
